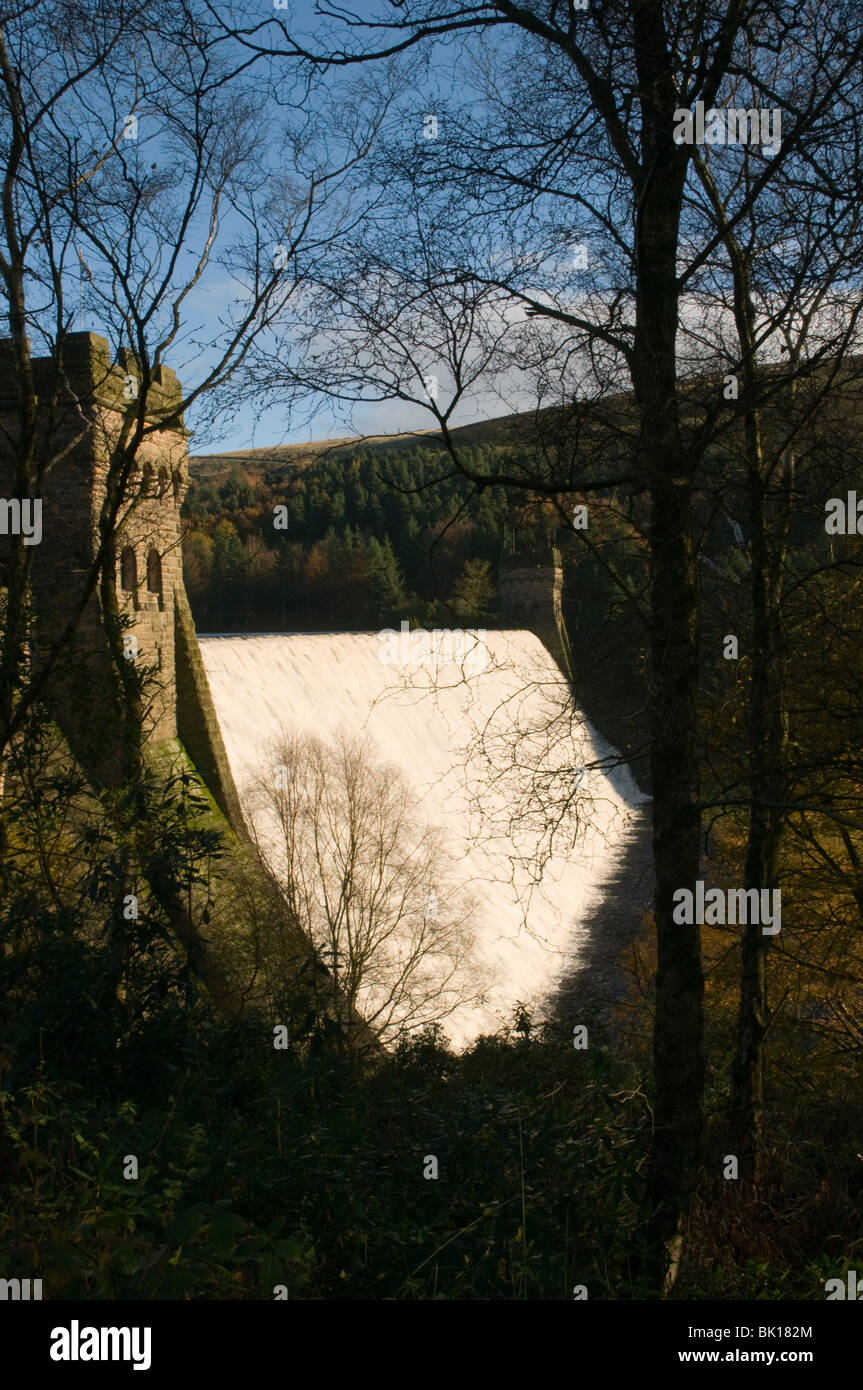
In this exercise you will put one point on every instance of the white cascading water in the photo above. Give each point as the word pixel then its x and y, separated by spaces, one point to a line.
pixel 495 756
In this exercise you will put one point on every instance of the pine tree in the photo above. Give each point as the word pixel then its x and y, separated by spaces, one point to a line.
pixel 474 592
pixel 387 584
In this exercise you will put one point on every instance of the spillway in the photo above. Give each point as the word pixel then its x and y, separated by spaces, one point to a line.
pixel 497 757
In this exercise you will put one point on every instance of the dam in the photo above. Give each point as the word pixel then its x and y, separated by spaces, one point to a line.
pixel 537 811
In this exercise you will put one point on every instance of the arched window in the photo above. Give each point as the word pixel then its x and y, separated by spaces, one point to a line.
pixel 128 570
pixel 147 479
pixel 163 481
pixel 154 573
pixel 176 482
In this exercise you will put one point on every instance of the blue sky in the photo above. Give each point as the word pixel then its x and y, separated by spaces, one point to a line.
pixel 207 311
pixel 255 425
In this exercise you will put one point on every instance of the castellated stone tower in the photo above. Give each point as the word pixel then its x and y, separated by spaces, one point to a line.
pixel 78 435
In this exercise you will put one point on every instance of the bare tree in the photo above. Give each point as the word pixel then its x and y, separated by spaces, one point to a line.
pixel 366 881
pixel 780 318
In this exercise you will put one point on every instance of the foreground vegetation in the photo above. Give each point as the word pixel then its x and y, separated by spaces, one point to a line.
pixel 304 1169
pixel 300 1171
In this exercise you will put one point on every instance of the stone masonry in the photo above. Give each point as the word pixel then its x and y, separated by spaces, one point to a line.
pixel 531 596
pixel 83 408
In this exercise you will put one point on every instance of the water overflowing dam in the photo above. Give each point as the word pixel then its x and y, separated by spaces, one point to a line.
pixel 537 810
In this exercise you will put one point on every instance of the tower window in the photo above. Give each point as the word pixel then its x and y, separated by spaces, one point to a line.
pixel 147 479
pixel 154 574
pixel 163 481
pixel 128 570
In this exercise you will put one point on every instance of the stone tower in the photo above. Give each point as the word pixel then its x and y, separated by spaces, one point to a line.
pixel 531 596
pixel 82 411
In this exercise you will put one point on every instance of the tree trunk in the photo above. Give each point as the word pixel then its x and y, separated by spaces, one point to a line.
pixel 678 1050
pixel 678 1047
pixel 767 792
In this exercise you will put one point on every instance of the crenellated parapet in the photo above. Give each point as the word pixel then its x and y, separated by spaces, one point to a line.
pixel 82 371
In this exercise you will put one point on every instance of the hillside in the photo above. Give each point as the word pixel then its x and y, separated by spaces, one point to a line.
pixel 561 425
pixel 502 431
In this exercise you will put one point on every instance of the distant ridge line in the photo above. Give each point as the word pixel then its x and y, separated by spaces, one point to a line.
pixel 505 429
